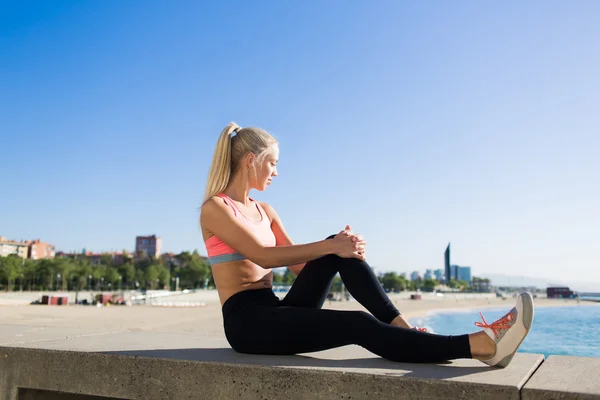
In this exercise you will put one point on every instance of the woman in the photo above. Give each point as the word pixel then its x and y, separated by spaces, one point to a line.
pixel 245 240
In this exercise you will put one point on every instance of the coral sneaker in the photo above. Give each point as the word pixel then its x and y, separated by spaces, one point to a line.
pixel 509 331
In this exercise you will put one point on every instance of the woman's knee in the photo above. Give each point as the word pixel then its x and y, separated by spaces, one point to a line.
pixel 363 319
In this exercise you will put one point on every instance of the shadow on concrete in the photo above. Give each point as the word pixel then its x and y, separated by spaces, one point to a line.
pixel 384 367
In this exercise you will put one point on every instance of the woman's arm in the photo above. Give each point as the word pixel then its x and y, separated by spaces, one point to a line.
pixel 281 236
pixel 218 218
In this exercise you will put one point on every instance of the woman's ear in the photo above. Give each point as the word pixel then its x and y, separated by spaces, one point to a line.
pixel 250 158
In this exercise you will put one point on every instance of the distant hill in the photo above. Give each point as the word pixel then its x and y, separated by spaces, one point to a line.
pixel 520 281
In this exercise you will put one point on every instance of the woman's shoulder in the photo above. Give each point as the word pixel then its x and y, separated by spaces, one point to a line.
pixel 271 213
pixel 215 205
pixel 265 205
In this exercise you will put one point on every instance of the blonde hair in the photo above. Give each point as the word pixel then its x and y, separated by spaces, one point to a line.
pixel 229 152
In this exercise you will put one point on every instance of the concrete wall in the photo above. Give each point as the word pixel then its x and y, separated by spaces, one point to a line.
pixel 565 377
pixel 31 374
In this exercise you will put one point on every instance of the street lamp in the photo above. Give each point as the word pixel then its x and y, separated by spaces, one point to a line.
pixel 57 281
pixel 102 283
pixel 90 283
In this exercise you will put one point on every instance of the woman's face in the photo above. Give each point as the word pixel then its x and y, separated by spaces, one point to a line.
pixel 267 169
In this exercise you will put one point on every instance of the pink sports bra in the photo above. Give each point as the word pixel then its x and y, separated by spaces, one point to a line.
pixel 220 252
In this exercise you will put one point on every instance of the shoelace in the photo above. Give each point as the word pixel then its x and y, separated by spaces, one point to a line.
pixel 496 326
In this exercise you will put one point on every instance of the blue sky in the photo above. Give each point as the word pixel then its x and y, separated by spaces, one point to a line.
pixel 418 123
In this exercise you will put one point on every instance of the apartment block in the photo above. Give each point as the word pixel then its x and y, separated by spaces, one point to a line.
pixel 148 246
pixel 39 250
pixel 33 249
pixel 8 247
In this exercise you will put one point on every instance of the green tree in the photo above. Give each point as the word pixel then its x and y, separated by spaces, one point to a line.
pixel 30 274
pixel 456 284
pixel 143 263
pixel 151 274
pixel 139 279
pixel 416 284
pixel 194 274
pixel 62 271
pixel 10 270
pixel 336 286
pixel 98 272
pixel 80 274
pixel 183 258
pixel 106 259
pixel 429 285
pixel 288 277
pixel 127 271
pixel 164 276
pixel 277 278
pixel 480 284
pixel 112 277
pixel 45 272
pixel 391 282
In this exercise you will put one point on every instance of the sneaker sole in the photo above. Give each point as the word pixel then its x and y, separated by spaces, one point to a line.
pixel 527 310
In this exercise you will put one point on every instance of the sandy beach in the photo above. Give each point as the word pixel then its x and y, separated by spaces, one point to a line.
pixel 28 324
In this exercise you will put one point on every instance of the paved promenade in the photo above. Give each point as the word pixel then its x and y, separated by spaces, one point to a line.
pixel 149 352
pixel 80 327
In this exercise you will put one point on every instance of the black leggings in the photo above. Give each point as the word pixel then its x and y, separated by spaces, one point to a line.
pixel 257 322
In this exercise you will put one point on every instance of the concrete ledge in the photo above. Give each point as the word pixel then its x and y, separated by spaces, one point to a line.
pixel 565 377
pixel 220 373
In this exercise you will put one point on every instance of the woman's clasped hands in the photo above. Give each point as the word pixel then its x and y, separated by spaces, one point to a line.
pixel 350 245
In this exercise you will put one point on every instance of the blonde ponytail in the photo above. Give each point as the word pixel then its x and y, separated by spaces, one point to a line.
pixel 220 168
pixel 230 151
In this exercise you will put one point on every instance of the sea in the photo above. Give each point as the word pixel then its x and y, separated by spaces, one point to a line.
pixel 569 330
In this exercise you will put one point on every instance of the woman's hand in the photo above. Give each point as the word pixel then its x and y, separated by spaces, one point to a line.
pixel 350 245
pixel 360 240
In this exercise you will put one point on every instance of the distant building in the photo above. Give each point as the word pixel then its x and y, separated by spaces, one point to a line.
pixel 559 293
pixel 33 249
pixel 463 274
pixel 8 247
pixel 39 250
pixel 439 275
pixel 428 274
pixel 415 275
pixel 447 265
pixel 460 273
pixel 116 257
pixel 148 246
pixel 481 285
pixel 453 272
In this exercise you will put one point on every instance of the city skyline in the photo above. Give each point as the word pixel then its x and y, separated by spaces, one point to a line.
pixel 415 123
pixel 437 273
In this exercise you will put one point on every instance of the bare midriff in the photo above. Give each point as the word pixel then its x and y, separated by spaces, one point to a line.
pixel 237 276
